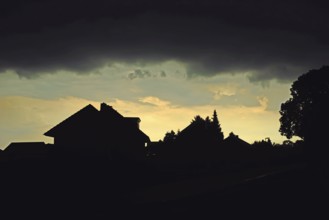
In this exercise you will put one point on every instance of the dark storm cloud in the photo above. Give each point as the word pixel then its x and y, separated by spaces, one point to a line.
pixel 141 74
pixel 266 38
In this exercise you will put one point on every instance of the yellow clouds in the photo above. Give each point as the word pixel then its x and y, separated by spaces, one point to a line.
pixel 251 123
pixel 224 90
pixel 154 101
pixel 263 101
pixel 157 116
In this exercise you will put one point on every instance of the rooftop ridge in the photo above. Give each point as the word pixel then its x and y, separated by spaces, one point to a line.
pixel 89 107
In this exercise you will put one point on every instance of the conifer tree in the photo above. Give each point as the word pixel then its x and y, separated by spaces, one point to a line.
pixel 217 130
pixel 207 122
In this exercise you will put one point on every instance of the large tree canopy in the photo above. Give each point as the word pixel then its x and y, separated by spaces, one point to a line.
pixel 305 112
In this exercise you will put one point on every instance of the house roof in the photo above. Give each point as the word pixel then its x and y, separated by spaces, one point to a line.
pixel 109 112
pixel 143 136
pixel 90 117
pixel 192 129
pixel 78 118
pixel 133 119
pixel 234 140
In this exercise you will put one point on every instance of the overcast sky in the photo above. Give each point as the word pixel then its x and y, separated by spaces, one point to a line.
pixel 164 61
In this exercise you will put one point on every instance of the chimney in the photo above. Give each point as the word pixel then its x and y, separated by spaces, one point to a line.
pixel 105 107
pixel 133 120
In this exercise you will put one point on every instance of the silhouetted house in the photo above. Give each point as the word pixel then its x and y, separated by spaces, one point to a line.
pixel 26 150
pixel 235 148
pixel 196 133
pixel 153 148
pixel 101 131
pixel 193 143
pixel 234 141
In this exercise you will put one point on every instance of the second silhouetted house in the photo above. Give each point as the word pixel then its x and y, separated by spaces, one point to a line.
pixel 234 141
pixel 235 148
pixel 101 130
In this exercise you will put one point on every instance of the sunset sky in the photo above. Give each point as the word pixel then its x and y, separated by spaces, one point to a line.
pixel 163 61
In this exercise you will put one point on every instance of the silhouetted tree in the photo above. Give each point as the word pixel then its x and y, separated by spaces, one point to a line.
pixel 217 130
pixel 196 132
pixel 206 132
pixel 170 137
pixel 302 113
pixel 306 115
pixel 287 143
pixel 263 144
pixel 197 120
pixel 208 122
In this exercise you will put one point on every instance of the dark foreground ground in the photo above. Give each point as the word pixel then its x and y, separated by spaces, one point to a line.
pixel 287 195
pixel 291 193
pixel 282 196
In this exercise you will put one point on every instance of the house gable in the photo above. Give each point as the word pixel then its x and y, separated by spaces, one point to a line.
pixel 84 117
pixel 234 141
